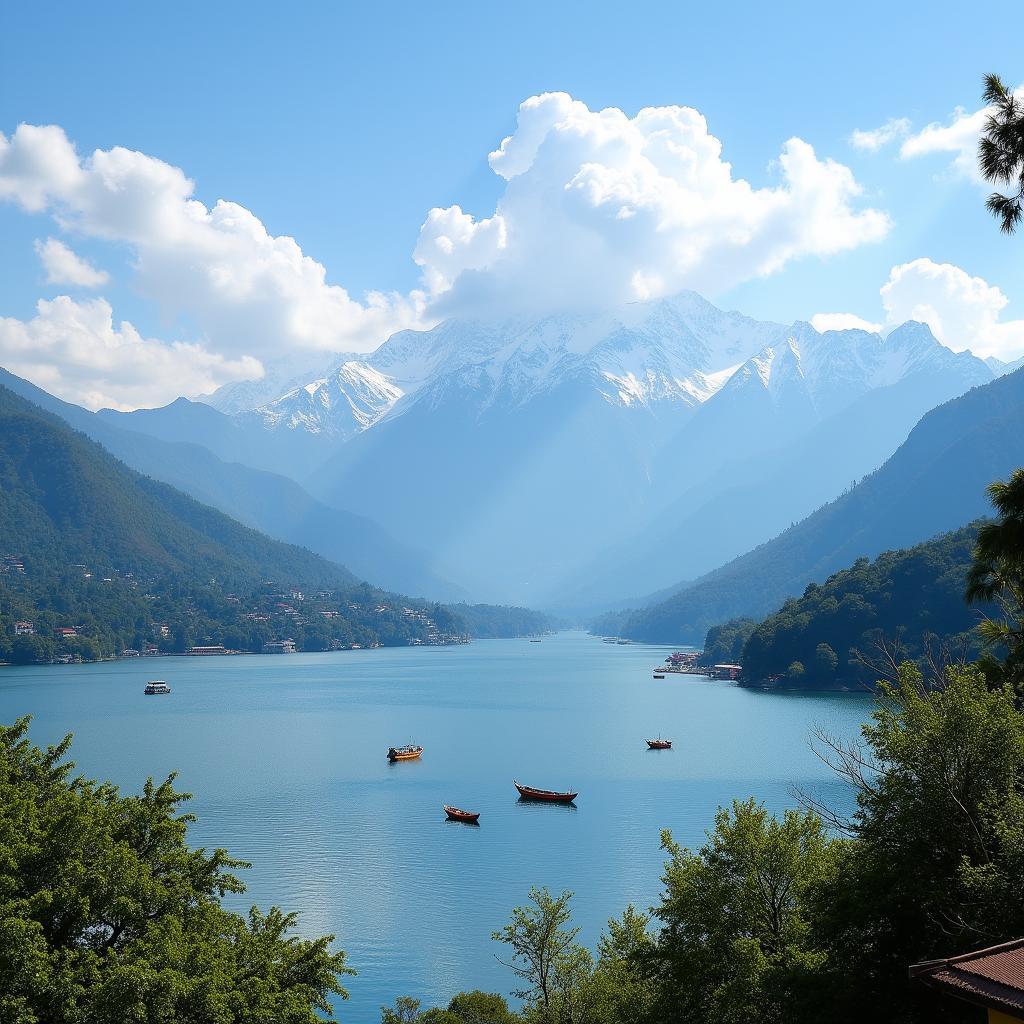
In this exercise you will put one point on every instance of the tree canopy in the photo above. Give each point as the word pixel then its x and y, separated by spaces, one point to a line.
pixel 108 916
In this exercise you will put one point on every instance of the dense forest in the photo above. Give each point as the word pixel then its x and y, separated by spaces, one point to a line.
pixel 903 605
pixel 98 559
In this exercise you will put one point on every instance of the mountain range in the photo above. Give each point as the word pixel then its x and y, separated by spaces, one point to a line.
pixel 569 461
pixel 934 482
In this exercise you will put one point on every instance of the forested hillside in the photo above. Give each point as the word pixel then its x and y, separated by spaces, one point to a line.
pixel 911 602
pixel 97 559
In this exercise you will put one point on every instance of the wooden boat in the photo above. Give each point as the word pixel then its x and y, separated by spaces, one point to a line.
pixel 407 753
pixel 659 744
pixel 546 795
pixel 455 814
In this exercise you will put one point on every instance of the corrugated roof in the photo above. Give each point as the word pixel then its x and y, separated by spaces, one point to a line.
pixel 992 977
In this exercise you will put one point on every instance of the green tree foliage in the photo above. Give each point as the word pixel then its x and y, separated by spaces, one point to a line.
pixel 997 576
pixel 107 916
pixel 937 852
pixel 544 950
pixel 1001 152
pixel 735 943
pixel 724 644
pixel 474 1007
pixel 912 599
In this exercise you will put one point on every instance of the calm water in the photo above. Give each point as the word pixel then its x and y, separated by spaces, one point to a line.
pixel 286 757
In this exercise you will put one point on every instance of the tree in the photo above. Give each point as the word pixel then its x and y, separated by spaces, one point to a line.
pixel 544 952
pixel 1001 152
pixel 795 672
pixel 997 575
pixel 733 944
pixel 938 838
pixel 106 914
pixel 622 991
pixel 405 1011
pixel 825 661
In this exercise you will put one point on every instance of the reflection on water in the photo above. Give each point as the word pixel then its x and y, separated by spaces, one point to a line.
pixel 286 757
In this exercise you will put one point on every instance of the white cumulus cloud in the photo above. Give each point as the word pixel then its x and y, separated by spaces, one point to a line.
pixel 64 266
pixel 843 322
pixel 77 352
pixel 962 311
pixel 875 138
pixel 249 291
pixel 958 138
pixel 601 207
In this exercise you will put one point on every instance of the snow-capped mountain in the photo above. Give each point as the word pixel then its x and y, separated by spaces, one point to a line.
pixel 351 398
pixel 524 448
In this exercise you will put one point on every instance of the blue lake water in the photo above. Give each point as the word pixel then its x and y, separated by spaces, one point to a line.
pixel 286 758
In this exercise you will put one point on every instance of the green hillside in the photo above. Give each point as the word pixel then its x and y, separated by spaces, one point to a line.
pixel 89 546
pixel 911 599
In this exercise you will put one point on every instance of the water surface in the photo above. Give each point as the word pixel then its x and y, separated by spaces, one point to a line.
pixel 286 758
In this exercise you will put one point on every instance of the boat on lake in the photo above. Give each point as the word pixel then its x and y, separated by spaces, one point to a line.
pixel 659 675
pixel 407 753
pixel 546 795
pixel 156 686
pixel 457 814
pixel 659 744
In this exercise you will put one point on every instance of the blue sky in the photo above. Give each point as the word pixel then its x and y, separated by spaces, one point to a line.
pixel 342 126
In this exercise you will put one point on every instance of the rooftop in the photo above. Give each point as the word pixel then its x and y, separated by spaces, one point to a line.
pixel 992 977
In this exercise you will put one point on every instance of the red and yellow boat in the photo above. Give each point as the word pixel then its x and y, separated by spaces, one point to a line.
pixel 546 795
pixel 456 814
pixel 407 753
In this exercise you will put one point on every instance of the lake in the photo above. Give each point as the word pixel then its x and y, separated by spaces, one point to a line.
pixel 286 758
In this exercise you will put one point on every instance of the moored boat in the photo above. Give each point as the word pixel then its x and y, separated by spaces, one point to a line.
pixel 156 686
pixel 659 744
pixel 407 753
pixel 457 814
pixel 659 675
pixel 546 795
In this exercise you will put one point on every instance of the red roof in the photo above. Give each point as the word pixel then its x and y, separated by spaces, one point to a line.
pixel 992 977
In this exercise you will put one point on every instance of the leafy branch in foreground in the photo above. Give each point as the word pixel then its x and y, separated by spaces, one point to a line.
pixel 1001 152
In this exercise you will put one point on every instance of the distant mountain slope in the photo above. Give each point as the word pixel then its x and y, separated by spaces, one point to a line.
pixel 271 503
pixel 65 501
pixel 236 438
pixel 935 482
pixel 749 501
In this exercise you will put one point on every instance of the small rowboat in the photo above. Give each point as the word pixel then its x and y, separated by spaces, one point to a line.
pixel 659 744
pixel 455 814
pixel 546 795
pixel 407 753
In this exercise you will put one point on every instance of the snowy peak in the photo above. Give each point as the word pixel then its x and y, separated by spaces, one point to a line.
pixel 350 399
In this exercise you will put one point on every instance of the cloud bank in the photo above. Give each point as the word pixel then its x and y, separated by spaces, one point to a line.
pixel 962 311
pixel 74 349
pixel 599 207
